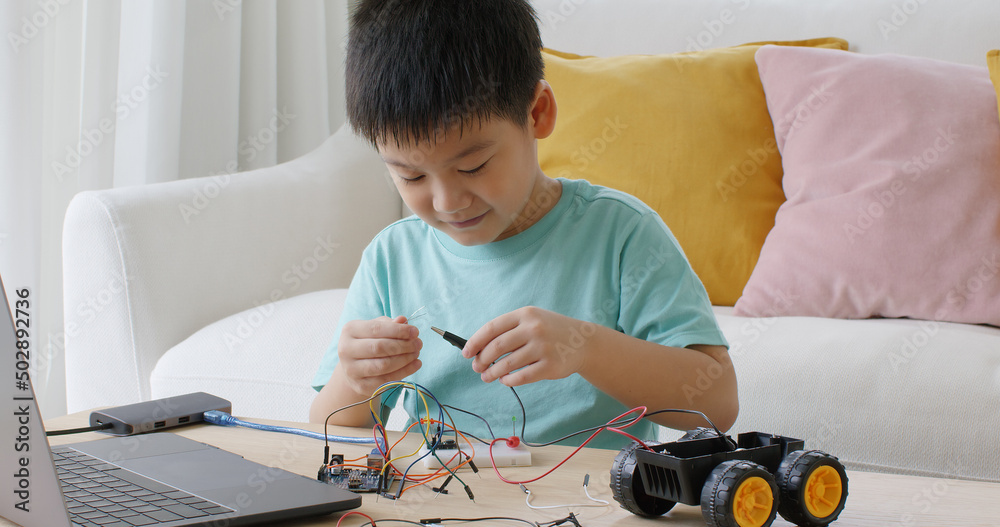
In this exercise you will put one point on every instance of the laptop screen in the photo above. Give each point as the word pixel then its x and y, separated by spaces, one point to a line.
pixel 209 478
pixel 26 465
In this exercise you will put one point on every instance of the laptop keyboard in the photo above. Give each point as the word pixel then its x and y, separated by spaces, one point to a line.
pixel 99 494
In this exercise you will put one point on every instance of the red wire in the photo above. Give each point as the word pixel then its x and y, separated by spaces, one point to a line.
pixel 359 514
pixel 630 436
pixel 641 409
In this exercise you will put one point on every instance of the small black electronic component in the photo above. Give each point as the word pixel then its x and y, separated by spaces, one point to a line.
pixel 357 479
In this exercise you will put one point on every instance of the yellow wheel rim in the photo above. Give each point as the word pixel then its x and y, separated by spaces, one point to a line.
pixel 823 491
pixel 753 502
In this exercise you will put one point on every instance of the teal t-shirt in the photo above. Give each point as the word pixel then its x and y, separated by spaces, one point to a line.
pixel 599 255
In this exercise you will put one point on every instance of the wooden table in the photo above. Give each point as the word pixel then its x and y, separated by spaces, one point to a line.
pixel 874 500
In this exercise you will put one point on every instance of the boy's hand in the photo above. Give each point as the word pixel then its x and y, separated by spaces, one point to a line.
pixel 374 352
pixel 540 344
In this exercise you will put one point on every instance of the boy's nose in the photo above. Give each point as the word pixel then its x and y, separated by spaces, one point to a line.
pixel 449 199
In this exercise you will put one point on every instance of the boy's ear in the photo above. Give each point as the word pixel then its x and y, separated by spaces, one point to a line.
pixel 542 117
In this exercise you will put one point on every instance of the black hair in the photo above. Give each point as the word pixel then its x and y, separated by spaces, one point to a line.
pixel 416 67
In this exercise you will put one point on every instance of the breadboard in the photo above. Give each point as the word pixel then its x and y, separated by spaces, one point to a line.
pixel 503 456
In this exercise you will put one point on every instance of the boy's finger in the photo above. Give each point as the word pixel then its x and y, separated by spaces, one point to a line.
pixel 506 364
pixel 528 374
pixel 490 330
pixel 385 366
pixel 381 327
pixel 407 369
pixel 388 348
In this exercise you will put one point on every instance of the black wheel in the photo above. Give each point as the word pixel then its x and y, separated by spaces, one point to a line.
pixel 627 489
pixel 739 494
pixel 813 488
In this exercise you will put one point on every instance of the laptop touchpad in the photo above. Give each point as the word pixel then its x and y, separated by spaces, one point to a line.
pixel 204 470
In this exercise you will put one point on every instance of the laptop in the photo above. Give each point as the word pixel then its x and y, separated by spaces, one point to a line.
pixel 149 479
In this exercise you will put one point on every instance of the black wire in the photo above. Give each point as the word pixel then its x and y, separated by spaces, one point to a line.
pixel 695 412
pixel 102 426
pixel 616 423
pixel 524 422
pixel 524 415
pixel 484 519
pixel 481 418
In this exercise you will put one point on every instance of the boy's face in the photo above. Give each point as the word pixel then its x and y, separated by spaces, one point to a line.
pixel 481 186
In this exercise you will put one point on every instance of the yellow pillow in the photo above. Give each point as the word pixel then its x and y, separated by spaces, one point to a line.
pixel 993 62
pixel 689 134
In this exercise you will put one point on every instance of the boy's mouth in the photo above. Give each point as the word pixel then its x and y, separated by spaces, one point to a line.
pixel 467 223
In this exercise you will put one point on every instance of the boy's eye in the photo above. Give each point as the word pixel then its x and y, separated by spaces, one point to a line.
pixel 476 170
pixel 409 180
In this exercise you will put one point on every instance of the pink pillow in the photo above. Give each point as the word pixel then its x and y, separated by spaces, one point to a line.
pixel 892 179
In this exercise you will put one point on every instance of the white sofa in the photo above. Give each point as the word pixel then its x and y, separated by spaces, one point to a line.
pixel 232 284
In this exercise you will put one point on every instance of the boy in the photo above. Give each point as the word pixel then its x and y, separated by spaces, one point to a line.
pixel 577 295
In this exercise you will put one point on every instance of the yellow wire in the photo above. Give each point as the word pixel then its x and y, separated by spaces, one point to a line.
pixel 384 387
pixel 388 462
pixel 427 411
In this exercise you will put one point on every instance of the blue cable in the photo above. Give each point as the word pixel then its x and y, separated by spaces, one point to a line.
pixel 216 417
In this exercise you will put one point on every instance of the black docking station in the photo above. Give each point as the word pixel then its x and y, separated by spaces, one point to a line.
pixel 159 414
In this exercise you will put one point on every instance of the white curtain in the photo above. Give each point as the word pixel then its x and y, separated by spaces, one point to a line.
pixel 105 93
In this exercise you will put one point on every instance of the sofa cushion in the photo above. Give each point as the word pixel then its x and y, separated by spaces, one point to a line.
pixel 887 395
pixel 891 173
pixel 262 359
pixel 688 134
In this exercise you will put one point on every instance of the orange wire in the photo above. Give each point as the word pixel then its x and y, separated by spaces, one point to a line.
pixel 422 479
